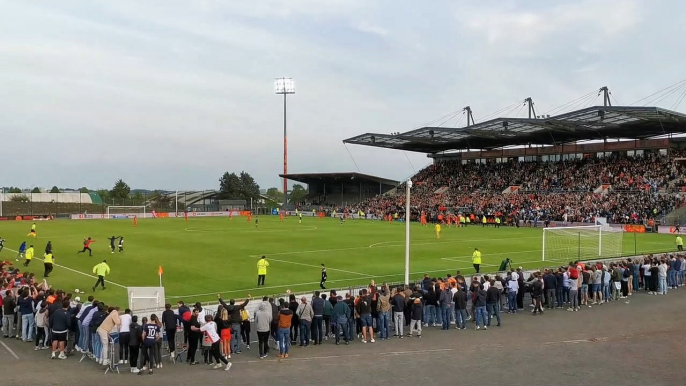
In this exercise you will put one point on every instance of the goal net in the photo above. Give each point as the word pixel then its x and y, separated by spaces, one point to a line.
pixel 582 243
pixel 116 211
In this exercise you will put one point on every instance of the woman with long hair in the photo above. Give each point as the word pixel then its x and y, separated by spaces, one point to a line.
pixel 224 326
pixel 210 331
pixel 158 343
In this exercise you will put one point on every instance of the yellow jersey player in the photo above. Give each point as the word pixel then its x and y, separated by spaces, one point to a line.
pixel 32 233
pixel 437 229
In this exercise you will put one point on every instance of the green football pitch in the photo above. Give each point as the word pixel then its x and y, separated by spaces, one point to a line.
pixel 206 256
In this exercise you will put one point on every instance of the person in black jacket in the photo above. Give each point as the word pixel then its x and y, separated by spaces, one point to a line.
pixel 194 337
pixel 275 321
pixel 169 321
pixel 398 307
pixel 537 293
pixel 135 336
pixel 295 322
pixel 550 285
pixel 492 303
pixel 235 317
pixel 460 299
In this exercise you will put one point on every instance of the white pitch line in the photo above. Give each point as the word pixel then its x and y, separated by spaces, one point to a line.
pixel 389 244
pixel 317 266
pixel 393 246
pixel 9 350
pixel 75 271
pixel 309 228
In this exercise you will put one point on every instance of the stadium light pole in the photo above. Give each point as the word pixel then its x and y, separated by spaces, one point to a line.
pixel 284 86
pixel 407 232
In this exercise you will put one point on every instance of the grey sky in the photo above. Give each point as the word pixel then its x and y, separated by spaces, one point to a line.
pixel 170 94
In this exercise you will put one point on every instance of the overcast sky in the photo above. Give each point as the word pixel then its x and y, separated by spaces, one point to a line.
pixel 170 94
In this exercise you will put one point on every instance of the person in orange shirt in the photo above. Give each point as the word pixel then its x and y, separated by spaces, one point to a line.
pixel 281 216
pixel 249 216
pixel 423 219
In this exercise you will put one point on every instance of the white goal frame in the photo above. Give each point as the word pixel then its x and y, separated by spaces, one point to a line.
pixel 599 228
pixel 125 207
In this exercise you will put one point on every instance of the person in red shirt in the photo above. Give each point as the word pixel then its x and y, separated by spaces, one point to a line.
pixel 87 246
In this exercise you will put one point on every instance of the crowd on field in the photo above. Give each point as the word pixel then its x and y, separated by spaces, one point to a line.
pixel 558 191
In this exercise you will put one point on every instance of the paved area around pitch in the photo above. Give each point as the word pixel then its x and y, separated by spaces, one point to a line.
pixel 640 343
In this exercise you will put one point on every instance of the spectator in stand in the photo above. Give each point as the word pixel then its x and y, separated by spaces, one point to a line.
pixel 537 294
pixel 662 277
pixel 210 330
pixel 340 315
pixel 305 315
pixel 136 334
pixel 60 322
pixel 398 306
pixel 27 310
pixel 124 336
pixel 550 285
pixel 326 315
pixel 364 309
pixel 445 300
pixel 106 327
pixel 318 308
pixel 42 323
pixel 263 322
pixel 416 315
pixel 493 303
pixel 169 322
pixel 384 307
pixel 295 325
pixel 9 306
pixel 480 308
pixel 285 320
pixel 235 313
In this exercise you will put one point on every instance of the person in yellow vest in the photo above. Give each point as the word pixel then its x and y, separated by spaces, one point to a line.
pixel 262 265
pixel 497 222
pixel 28 256
pixel 48 260
pixel 467 220
pixel 483 221
pixel 437 229
pixel 101 270
pixel 462 222
pixel 679 243
pixel 476 259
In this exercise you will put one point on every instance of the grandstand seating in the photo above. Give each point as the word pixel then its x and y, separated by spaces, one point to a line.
pixel 641 187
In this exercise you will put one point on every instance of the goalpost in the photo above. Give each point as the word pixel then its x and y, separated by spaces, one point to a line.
pixel 582 243
pixel 118 211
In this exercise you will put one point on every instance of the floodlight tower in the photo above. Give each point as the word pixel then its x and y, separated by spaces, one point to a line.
pixel 284 86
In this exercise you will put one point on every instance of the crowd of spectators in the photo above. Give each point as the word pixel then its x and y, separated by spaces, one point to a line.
pixel 56 321
pixel 639 188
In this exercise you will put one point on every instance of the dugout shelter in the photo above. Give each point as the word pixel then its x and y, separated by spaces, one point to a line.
pixel 341 189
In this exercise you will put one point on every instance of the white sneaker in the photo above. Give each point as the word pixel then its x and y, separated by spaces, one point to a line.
pixel 62 356
pixel 135 370
pixel 373 341
pixel 36 349
pixel 54 355
pixel 106 363
pixel 228 366
pixel 126 361
pixel 121 362
pixel 364 341
pixel 218 366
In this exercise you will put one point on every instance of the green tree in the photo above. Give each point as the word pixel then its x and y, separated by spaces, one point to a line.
pixel 55 189
pixel 274 194
pixel 84 190
pixel 20 198
pixel 159 200
pixel 298 193
pixel 34 190
pixel 104 195
pixel 137 197
pixel 120 190
pixel 14 189
pixel 249 188
pixel 229 186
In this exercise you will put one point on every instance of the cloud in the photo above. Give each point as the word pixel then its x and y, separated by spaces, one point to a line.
pixel 170 94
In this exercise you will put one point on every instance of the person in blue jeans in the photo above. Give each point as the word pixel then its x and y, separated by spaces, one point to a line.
pixel 340 314
pixel 512 288
pixel 481 314
pixel 460 300
pixel 492 302
pixel 26 309
pixel 384 306
pixel 283 334
pixel 444 301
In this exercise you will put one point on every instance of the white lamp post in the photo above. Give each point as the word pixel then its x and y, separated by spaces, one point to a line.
pixel 407 232
pixel 284 86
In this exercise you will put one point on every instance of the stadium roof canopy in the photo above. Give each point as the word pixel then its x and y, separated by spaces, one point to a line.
pixel 592 123
pixel 308 178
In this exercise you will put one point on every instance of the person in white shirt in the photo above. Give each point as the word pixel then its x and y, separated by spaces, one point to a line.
pixel 512 287
pixel 124 336
pixel 209 329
